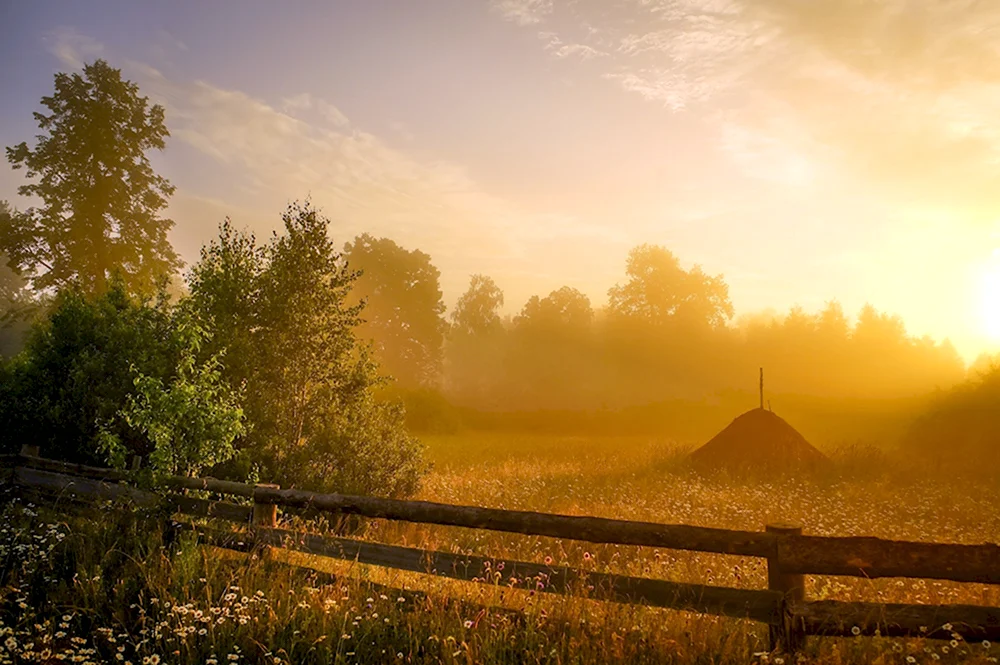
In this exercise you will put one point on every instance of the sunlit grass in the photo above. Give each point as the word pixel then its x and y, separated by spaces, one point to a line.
pixel 105 573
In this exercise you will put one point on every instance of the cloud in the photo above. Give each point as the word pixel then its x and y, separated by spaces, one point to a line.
pixel 523 12
pixel 555 46
pixel 252 156
pixel 894 96
pixel 72 48
pixel 306 102
pixel 164 46
pixel 271 153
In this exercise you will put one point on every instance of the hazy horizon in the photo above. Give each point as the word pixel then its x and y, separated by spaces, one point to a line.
pixel 807 154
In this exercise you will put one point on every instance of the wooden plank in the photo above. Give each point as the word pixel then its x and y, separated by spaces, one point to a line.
pixel 835 618
pixel 210 485
pixel 177 482
pixel 589 529
pixel 875 557
pixel 739 603
pixel 227 540
pixel 214 509
pixel 81 470
pixel 87 488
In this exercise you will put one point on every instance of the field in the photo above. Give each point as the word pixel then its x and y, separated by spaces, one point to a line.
pixel 94 590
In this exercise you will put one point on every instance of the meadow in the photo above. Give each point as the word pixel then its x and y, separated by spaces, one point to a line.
pixel 115 589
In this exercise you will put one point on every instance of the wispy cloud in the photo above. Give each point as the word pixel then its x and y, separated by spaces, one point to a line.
pixel 306 102
pixel 523 12
pixel 555 46
pixel 896 94
pixel 303 145
pixel 71 48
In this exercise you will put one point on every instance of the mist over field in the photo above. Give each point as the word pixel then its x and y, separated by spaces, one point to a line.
pixel 549 331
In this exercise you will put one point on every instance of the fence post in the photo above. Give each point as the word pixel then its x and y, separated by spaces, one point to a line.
pixel 265 515
pixel 30 451
pixel 786 634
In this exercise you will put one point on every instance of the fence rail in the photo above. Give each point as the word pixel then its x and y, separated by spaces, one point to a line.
pixel 789 554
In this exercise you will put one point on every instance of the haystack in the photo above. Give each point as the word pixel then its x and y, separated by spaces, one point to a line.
pixel 758 440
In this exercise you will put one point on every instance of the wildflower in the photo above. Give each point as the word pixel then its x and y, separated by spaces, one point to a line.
pixel 855 631
pixel 986 644
pixel 911 659
pixel 468 623
pixel 399 654
pixel 548 561
pixel 586 556
pixel 212 660
pixel 947 626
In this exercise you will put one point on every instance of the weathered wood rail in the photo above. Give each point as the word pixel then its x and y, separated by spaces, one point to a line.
pixel 782 606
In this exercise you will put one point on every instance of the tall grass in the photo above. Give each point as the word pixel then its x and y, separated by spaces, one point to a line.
pixel 116 586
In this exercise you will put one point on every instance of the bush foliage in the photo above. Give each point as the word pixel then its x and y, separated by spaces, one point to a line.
pixel 257 373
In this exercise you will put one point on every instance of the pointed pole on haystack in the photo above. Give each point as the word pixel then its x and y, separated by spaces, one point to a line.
pixel 761 387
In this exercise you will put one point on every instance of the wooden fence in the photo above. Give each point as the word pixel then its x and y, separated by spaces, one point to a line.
pixel 783 606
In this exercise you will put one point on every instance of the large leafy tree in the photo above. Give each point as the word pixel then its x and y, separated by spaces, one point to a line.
pixel 101 199
pixel 551 359
pixel 565 312
pixel 660 291
pixel 477 311
pixel 282 316
pixel 476 344
pixel 403 313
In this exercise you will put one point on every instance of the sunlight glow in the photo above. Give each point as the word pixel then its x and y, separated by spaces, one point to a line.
pixel 991 297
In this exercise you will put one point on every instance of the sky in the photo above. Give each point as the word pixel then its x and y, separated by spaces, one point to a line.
pixel 807 151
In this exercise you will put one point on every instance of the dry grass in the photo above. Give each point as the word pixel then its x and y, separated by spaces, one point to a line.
pixel 345 618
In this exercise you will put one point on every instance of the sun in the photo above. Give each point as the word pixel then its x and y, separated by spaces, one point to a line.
pixel 991 297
